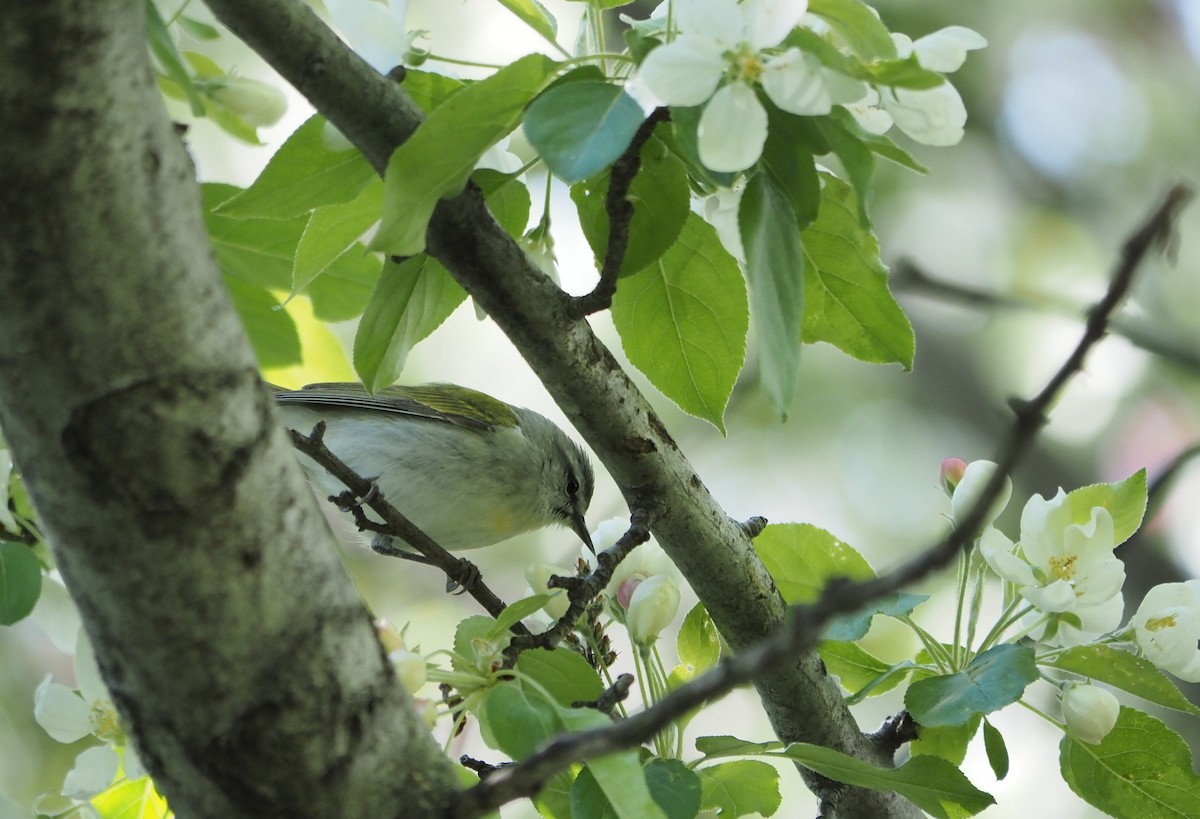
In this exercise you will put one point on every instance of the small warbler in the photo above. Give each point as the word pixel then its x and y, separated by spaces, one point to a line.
pixel 467 469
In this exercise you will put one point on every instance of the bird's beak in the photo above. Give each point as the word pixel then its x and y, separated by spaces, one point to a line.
pixel 579 526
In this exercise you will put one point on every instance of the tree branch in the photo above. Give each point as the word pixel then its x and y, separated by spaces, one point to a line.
pixel 805 624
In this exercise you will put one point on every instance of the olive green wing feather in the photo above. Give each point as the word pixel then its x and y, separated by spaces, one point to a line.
pixel 437 402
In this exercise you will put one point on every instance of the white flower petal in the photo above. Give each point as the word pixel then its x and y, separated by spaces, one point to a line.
pixel 1057 597
pixel 1042 525
pixel 721 211
pixel 87 672
pixel 932 116
pixel 796 83
pixel 682 72
pixel 56 614
pixel 946 50
pixel 1099 581
pixel 61 712
pixel 769 21
pixel 997 552
pixel 372 30
pixel 732 130
pixel 715 24
pixel 95 769
pixel 1167 627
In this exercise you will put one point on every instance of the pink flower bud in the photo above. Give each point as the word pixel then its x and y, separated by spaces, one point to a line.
pixel 951 474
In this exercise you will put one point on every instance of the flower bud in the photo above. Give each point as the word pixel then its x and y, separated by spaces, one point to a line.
pixel 951 474
pixel 254 102
pixel 975 477
pixel 410 668
pixel 1090 712
pixel 651 609
pixel 389 637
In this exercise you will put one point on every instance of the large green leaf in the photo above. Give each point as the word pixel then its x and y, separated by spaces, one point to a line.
pixel 1125 671
pixel 1141 769
pixel 565 675
pixel 674 787
pixel 857 668
pixel 437 160
pixel 258 252
pixel 740 788
pixel 410 301
pixel 271 330
pixel 580 128
pixel 775 270
pixel 683 322
pixel 660 197
pixel 331 230
pixel 802 558
pixel 302 175
pixel 857 24
pixel 519 720
pixel 854 626
pixel 992 680
pixel 846 298
pixel 343 291
pixel 1125 501
pixel 698 644
pixel 932 784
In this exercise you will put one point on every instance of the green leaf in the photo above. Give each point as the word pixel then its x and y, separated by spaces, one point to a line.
pixel 131 799
pixel 802 558
pixel 740 788
pixel 789 161
pixel 1125 671
pixel 858 25
pixel 851 627
pixel 674 787
pixel 271 330
pixel 429 90
pixel 344 289
pixel 992 680
pixel 613 785
pixel 877 144
pixel 683 322
pixel 660 198
pixel 301 176
pixel 517 611
pixel 534 15
pixel 775 270
pixel 997 750
pixel 506 198
pixel 563 673
pixel 162 46
pixel 846 297
pixel 410 301
pixel 437 160
pixel 1125 501
pixel 1141 769
pixel 861 673
pixel 20 582
pixel 948 742
pixel 855 157
pixel 553 801
pixel 732 746
pixel 331 230
pixel 198 30
pixel 519 720
pixel 932 784
pixel 580 128
pixel 903 73
pixel 698 643
pixel 470 633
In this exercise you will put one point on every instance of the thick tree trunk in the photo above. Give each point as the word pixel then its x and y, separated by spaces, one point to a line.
pixel 237 651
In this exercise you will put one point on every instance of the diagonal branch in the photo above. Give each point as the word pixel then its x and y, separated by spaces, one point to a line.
pixel 805 624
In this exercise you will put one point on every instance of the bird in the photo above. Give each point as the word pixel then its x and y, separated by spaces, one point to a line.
pixel 467 469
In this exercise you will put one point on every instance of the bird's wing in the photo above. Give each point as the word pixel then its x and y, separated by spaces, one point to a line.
pixel 438 402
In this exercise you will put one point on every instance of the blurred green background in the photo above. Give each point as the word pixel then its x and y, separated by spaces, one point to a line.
pixel 1081 116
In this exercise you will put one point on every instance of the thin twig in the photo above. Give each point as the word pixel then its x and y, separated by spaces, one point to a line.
pixel 804 624
pixel 461 572
pixel 620 214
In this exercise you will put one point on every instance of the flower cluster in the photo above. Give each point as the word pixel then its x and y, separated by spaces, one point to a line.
pixel 723 52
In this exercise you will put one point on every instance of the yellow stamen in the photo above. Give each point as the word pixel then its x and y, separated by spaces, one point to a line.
pixel 1159 623
pixel 1063 568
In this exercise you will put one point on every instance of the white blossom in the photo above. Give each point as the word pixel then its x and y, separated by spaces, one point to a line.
pixel 724 49
pixel 1167 628
pixel 653 606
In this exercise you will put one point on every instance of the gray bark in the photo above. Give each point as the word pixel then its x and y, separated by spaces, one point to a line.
pixel 236 649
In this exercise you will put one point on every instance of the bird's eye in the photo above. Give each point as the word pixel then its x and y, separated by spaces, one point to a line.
pixel 572 485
